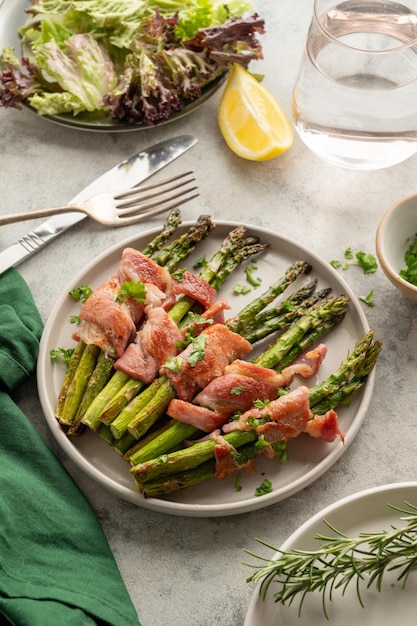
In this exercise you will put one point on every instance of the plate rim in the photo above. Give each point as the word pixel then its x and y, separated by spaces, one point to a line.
pixel 199 510
pixel 307 526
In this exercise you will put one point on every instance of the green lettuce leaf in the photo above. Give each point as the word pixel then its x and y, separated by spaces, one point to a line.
pixel 84 70
pixel 47 103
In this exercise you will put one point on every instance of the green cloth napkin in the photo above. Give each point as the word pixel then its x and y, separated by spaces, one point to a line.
pixel 56 567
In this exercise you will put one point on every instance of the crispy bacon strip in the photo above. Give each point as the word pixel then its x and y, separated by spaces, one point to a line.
pixel 243 382
pixel 225 456
pixel 233 393
pixel 135 266
pixel 155 341
pixel 325 427
pixel 110 324
pixel 287 417
pixel 213 315
pixel 221 347
pixel 105 322
pixel 198 416
pixel 195 287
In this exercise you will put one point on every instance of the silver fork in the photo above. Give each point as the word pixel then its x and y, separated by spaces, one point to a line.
pixel 127 207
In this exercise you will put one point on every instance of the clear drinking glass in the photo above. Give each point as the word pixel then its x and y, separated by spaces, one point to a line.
pixel 355 100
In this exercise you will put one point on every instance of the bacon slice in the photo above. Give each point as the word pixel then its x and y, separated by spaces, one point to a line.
pixel 243 382
pixel 290 412
pixel 105 322
pixel 155 341
pixel 195 287
pixel 305 365
pixel 308 363
pixel 213 315
pixel 232 393
pixel 222 346
pixel 325 427
pixel 288 416
pixel 136 266
pixel 198 416
pixel 225 456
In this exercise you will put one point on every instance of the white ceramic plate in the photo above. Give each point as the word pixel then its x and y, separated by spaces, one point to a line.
pixel 308 458
pixel 13 16
pixel 366 511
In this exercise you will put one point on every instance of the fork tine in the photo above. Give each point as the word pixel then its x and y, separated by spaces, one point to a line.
pixel 135 193
pixel 161 207
pixel 142 206
pixel 152 198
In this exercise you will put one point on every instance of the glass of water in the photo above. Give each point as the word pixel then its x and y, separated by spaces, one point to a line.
pixel 355 100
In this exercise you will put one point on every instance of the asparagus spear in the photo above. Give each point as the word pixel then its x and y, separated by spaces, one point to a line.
pixel 155 446
pixel 320 312
pixel 143 404
pixel 310 338
pixel 170 226
pixel 96 382
pixel 247 250
pixel 171 255
pixel 78 384
pixel 298 297
pixel 68 376
pixel 175 482
pixel 346 370
pixel 280 317
pixel 187 458
pixel 343 394
pixel 253 308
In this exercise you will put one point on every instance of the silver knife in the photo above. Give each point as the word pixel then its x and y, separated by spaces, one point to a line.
pixel 126 174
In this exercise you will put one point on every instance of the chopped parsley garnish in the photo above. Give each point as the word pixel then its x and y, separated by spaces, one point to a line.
pixel 260 404
pixel 236 391
pixel 196 318
pixel 410 257
pixel 81 294
pixel 173 363
pixel 75 319
pixel 198 350
pixel 178 274
pixel 369 299
pixel 65 353
pixel 280 449
pixel 255 282
pixel 201 262
pixel 366 261
pixel 132 289
pixel 241 290
pixel 264 488
pixel 238 486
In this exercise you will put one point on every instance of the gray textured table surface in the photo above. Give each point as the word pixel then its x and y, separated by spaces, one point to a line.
pixel 185 570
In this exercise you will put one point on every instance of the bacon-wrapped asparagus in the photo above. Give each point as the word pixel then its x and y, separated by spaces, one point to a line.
pixel 194 464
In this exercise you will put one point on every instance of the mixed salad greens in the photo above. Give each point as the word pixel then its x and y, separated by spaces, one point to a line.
pixel 137 60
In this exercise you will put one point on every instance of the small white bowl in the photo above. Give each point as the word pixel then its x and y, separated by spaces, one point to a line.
pixel 394 235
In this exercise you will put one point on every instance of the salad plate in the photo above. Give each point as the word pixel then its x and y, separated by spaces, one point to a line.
pixel 307 458
pixel 13 17
pixel 366 511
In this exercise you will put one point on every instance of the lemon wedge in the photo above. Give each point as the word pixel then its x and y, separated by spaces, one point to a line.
pixel 251 121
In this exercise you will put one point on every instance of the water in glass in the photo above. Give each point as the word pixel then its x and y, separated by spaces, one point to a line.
pixel 355 100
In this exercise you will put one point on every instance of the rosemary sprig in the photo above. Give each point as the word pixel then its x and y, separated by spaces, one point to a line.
pixel 340 560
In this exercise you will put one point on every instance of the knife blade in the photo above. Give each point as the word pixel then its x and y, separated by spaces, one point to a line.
pixel 125 175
